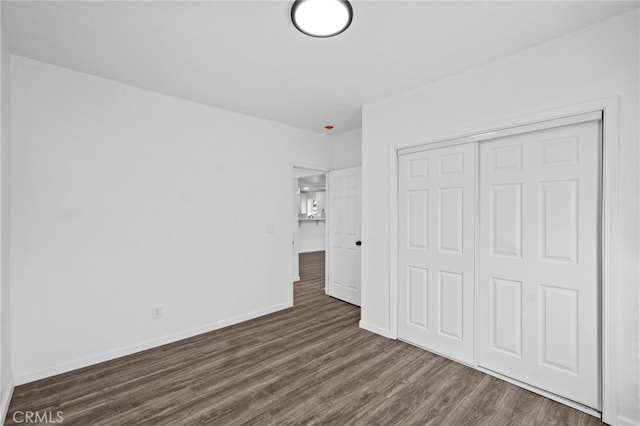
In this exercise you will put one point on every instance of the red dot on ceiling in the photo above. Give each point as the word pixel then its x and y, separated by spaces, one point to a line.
pixel 328 127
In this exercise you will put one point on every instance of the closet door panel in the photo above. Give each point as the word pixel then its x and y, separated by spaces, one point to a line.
pixel 436 250
pixel 538 277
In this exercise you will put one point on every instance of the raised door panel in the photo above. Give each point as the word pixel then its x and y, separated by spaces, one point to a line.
pixel 352 215
pixel 337 215
pixel 337 266
pixel 559 328
pixel 506 220
pixel 560 152
pixel 450 219
pixel 452 164
pixel 351 268
pixel 418 168
pixel 506 157
pixel 418 219
pixel 450 304
pixel 418 297
pixel 506 316
pixel 559 220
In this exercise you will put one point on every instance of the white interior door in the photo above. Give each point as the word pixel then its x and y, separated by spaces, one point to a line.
pixel 538 282
pixel 343 220
pixel 436 215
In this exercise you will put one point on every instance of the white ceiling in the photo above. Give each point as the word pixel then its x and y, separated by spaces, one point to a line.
pixel 248 57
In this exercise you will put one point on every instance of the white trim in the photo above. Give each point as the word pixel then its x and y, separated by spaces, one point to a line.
pixel 610 167
pixel 314 167
pixel 149 344
pixel 507 131
pixel 609 106
pixel 296 279
pixel 327 223
pixel 543 392
pixel 294 259
pixel 7 394
pixel 476 250
pixel 375 329
pixel 393 242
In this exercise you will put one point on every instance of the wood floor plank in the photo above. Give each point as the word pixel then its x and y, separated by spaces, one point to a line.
pixel 310 364
pixel 481 404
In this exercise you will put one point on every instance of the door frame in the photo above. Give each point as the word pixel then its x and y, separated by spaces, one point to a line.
pixel 609 107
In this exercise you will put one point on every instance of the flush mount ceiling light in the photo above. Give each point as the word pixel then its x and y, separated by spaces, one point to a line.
pixel 321 18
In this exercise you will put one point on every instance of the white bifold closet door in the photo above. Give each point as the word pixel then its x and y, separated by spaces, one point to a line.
pixel 538 277
pixel 436 250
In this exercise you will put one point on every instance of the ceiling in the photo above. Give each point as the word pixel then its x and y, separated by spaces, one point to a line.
pixel 248 57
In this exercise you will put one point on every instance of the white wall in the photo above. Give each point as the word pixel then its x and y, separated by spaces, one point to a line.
pixel 123 199
pixel 311 236
pixel 593 63
pixel 6 372
pixel 346 149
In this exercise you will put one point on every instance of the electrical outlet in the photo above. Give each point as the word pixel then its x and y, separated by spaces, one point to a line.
pixel 156 312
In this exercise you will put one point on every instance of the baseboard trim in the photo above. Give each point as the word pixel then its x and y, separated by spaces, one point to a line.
pixel 6 400
pixel 296 279
pixel 375 329
pixel 21 379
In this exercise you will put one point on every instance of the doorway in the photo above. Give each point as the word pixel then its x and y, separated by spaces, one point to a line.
pixel 326 218
pixel 309 214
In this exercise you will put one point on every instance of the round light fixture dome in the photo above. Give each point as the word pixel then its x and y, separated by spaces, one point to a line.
pixel 321 18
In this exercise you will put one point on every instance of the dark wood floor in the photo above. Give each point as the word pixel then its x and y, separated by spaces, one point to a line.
pixel 307 364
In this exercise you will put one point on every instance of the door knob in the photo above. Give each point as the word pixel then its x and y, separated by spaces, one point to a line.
pixel 358 243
